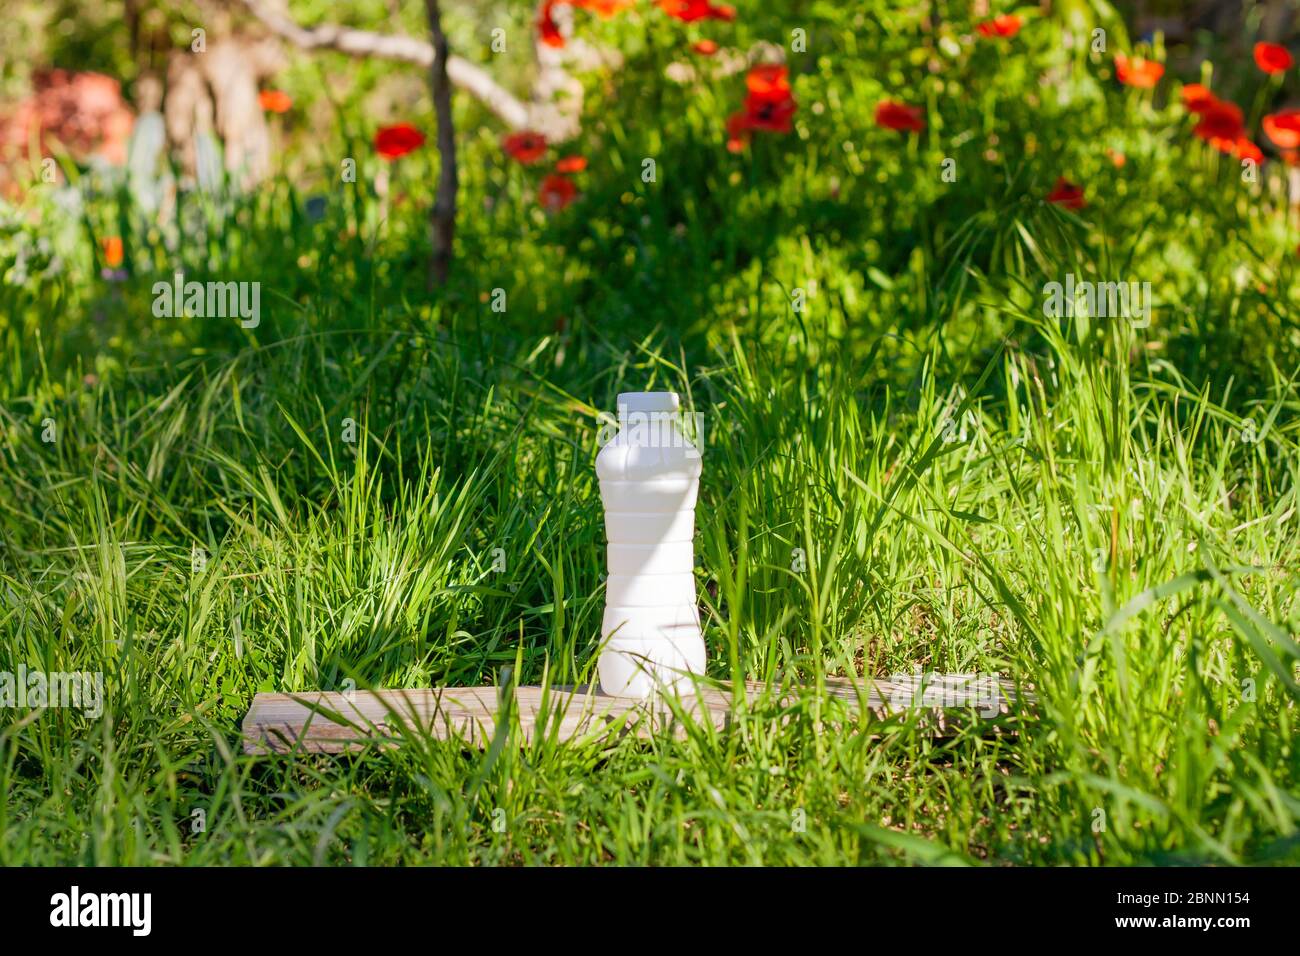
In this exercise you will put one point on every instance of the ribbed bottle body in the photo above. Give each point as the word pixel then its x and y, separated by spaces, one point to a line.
pixel 649 477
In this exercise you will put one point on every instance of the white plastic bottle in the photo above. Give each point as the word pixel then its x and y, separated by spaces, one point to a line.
pixel 649 476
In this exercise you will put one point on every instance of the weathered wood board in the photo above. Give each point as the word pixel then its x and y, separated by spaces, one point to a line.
pixel 334 722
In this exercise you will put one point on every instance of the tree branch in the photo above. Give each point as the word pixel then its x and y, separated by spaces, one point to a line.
pixel 476 81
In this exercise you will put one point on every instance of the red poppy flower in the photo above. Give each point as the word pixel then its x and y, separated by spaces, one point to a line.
pixel 112 246
pixel 769 105
pixel 1066 194
pixel 705 47
pixel 556 192
pixel 1283 128
pixel 398 140
pixel 900 117
pixel 1116 157
pixel 1220 120
pixel 274 101
pixel 771 116
pixel 1196 97
pixel 1005 25
pixel 571 164
pixel 1138 72
pixel 1243 148
pixel 526 146
pixel 548 31
pixel 688 11
pixel 769 81
pixel 1272 58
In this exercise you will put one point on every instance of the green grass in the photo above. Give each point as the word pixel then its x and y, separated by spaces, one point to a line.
pixel 1099 531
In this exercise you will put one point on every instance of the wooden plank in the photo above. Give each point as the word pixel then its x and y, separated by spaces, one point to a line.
pixel 334 722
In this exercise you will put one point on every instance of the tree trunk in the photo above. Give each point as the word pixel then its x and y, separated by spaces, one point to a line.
pixel 214 93
pixel 443 217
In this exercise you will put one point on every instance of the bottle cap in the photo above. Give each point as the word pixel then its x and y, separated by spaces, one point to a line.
pixel 648 401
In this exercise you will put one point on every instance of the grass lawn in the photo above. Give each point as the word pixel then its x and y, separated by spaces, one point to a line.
pixel 908 463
